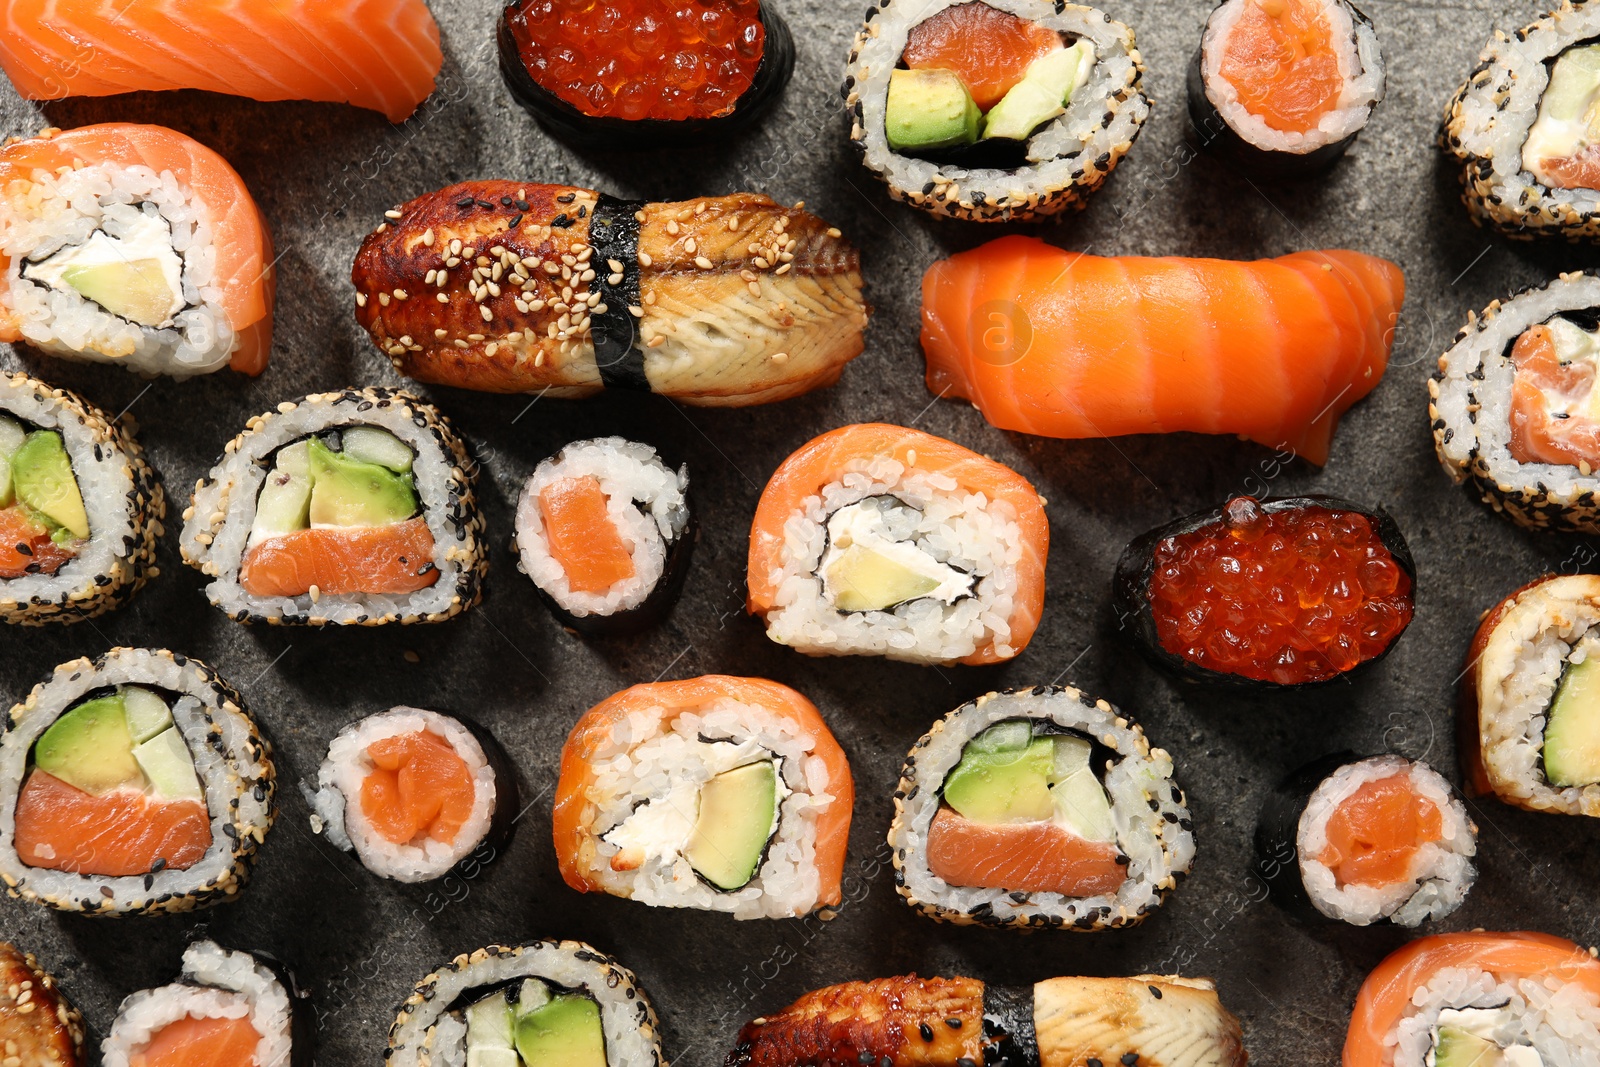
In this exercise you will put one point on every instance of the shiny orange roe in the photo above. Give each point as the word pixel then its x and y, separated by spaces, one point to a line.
pixel 641 59
pixel 1298 595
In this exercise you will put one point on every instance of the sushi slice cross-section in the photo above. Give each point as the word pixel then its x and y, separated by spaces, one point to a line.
pixel 880 540
pixel 539 1004
pixel 513 287
pixel 378 54
pixel 355 507
pixel 414 793
pixel 133 245
pixel 1065 344
pixel 133 783
pixel 1479 999
pixel 38 1026
pixel 1155 1020
pixel 1038 808
pixel 719 793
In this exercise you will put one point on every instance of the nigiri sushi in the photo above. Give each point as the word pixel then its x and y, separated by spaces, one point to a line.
pixel 378 54
pixel 135 245
pixel 1065 344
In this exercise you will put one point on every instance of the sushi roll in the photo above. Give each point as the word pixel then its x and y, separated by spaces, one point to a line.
pixel 513 287
pixel 1284 86
pixel 80 509
pixel 1519 128
pixel 724 794
pixel 1160 1020
pixel 133 783
pixel 878 540
pixel 1529 713
pixel 229 1007
pixel 1510 405
pixel 38 1026
pixel 1478 999
pixel 654 75
pixel 356 507
pixel 133 245
pixel 605 532
pixel 993 112
pixel 1289 592
pixel 531 1005
pixel 1038 808
pixel 1377 840
pixel 413 793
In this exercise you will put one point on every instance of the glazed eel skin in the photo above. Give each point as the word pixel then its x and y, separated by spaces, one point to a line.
pixel 512 287
pixel 38 1028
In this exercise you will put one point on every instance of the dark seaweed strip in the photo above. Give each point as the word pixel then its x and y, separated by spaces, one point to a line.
pixel 614 234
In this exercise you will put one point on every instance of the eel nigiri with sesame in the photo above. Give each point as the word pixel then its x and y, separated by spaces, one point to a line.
pixel 512 287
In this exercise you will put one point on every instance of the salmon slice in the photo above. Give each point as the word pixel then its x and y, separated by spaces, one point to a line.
pixel 988 48
pixel 1065 344
pixel 1280 59
pixel 1031 857
pixel 1374 835
pixel 581 535
pixel 25 545
pixel 418 788
pixel 61 828
pixel 395 558
pixel 192 1042
pixel 1536 437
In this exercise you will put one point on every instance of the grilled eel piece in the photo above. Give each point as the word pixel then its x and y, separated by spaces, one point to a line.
pixel 510 287
pixel 38 1028
pixel 1145 1021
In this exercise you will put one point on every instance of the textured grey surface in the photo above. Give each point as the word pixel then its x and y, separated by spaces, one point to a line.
pixel 324 174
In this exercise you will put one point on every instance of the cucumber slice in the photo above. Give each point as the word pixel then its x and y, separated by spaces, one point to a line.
pixel 373 444
pixel 167 762
pixel 147 713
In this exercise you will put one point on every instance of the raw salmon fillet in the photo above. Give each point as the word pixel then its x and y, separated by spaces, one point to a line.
pixel 192 1042
pixel 1029 857
pixel 418 786
pixel 62 828
pixel 341 560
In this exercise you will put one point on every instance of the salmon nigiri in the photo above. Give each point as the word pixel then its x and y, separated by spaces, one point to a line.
pixel 1066 344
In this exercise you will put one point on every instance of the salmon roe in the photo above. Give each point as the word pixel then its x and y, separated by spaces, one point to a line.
pixel 641 59
pixel 1296 595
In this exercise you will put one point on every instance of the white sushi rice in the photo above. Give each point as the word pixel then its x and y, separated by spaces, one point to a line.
pixel 336 800
pixel 1360 69
pixel 60 210
pixel 1560 1020
pixel 218 983
pixel 646 501
pixel 962 529
pixel 1440 873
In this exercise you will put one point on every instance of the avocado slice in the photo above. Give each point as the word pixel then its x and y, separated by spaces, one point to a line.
pixel 44 482
pixel 148 714
pixel 1042 94
pixel 1459 1048
pixel 374 444
pixel 167 762
pixel 1002 787
pixel 1081 804
pixel 566 1032
pixel 351 492
pixel 134 289
pixel 738 810
pixel 284 504
pixel 928 110
pixel 864 580
pixel 89 747
pixel 11 437
pixel 1572 730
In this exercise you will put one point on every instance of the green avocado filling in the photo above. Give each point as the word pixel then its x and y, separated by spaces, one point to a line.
pixel 357 476
pixel 1467 1037
pixel 36 476
pixel 1572 728
pixel 533 1025
pixel 737 817
pixel 1008 775
pixel 123 740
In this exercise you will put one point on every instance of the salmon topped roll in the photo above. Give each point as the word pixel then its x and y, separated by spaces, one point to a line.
pixel 343 508
pixel 878 540
pixel 133 245
pixel 725 794
pixel 133 783
pixel 1038 808
pixel 38 1025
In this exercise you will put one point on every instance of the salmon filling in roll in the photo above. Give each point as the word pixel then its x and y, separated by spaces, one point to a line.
pixel 1562 149
pixel 43 522
pixel 1555 408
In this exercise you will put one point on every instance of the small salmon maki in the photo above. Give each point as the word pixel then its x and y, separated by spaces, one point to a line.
pixel 1065 344
pixel 38 1025
pixel 720 793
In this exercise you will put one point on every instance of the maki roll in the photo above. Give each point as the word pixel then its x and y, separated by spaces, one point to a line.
pixel 413 793
pixel 1284 86
pixel 1377 840
pixel 356 507
pixel 605 532
pixel 540 1004
pixel 133 783
pixel 644 74
pixel 37 1025
pixel 133 245
pixel 229 1007
pixel 878 540
pixel 1478 999
pixel 1038 808
pixel 991 112
pixel 724 794
pixel 1512 410
pixel 80 509
pixel 1298 591
pixel 1529 714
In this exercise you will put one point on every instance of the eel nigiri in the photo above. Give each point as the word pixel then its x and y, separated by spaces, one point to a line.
pixel 513 287
pixel 1066 344
pixel 378 54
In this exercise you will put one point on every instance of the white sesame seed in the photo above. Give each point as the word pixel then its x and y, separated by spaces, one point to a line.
pixel 520 304
pixel 491 348
pixel 455 246
pixel 690 246
pixel 755 288
pixel 401 294
pixel 393 214
pixel 488 316
pixel 779 357
pixel 361 300
pixel 453 261
pixel 762 263
pixel 636 311
pixel 601 309
pixel 614 279
pixel 644 259
pixel 783 269
pixel 702 262
pixel 835 232
pixel 443 298
pixel 656 341
pixel 615 265
pixel 586 276
pixel 383 227
pixel 383 299
pixel 427 237
pixel 672 227
pixel 538 359
pixel 460 343
pixel 649 298
pixel 440 335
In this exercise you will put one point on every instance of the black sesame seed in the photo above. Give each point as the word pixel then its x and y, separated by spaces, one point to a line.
pixel 1129 1059
pixel 23 547
pixel 865 1057
pixel 522 205
pixel 486 205
pixel 926 1031
pixel 954 1024
pixel 468 202
pixel 566 198
pixel 514 223
pixel 1092 1062
pixel 561 221
pixel 885 1061
pixel 1155 992
pixel 966 1061
pixel 505 201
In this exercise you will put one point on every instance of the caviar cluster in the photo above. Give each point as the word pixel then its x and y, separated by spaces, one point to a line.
pixel 1297 595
